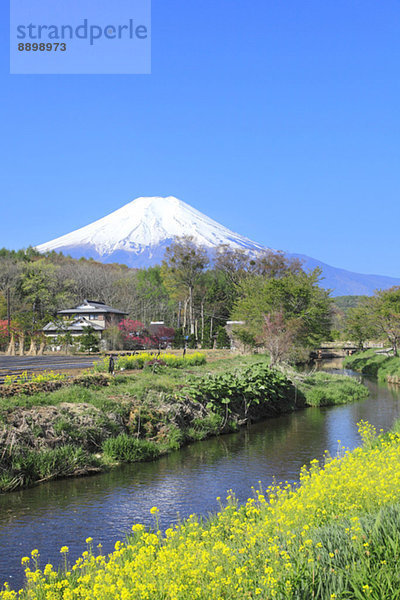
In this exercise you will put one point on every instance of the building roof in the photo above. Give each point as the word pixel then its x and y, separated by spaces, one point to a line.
pixel 91 307
pixel 77 325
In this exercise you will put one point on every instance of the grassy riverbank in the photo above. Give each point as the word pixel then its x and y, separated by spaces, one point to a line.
pixel 327 389
pixel 385 368
pixel 99 421
pixel 335 536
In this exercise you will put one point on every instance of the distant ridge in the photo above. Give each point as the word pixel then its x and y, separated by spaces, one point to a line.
pixel 138 234
pixel 347 283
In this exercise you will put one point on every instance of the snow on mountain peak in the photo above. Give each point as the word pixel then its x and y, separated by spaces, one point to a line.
pixel 143 226
pixel 138 234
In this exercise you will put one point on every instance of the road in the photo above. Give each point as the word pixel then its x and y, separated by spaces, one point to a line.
pixel 12 365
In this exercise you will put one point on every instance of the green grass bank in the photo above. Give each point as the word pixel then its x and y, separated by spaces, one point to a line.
pixel 384 367
pixel 97 421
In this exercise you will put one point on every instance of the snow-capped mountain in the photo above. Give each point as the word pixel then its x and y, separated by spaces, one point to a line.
pixel 138 234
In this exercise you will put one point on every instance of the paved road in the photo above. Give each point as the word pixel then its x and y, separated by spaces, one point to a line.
pixel 17 364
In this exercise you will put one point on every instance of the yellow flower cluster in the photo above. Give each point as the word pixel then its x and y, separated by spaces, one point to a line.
pixel 243 552
pixel 139 360
pixel 34 377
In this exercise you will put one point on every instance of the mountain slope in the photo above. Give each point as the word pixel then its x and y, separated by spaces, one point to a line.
pixel 347 283
pixel 140 231
pixel 138 234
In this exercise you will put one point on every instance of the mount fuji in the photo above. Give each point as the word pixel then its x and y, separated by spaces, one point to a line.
pixel 138 234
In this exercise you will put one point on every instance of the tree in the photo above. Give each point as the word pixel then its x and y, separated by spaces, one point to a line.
pixel 237 263
pixel 89 340
pixel 163 336
pixel 245 337
pixel 39 287
pixel 179 339
pixel 10 270
pixel 278 336
pixel 113 336
pixel 222 339
pixel 135 335
pixel 233 263
pixel 90 279
pixel 386 306
pixel 12 332
pixel 294 298
pixel 3 306
pixel 274 265
pixel 361 322
pixel 217 296
pixel 123 294
pixel 4 334
pixel 65 340
pixel 183 264
pixel 152 301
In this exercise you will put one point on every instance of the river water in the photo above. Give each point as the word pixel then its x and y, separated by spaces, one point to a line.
pixel 105 506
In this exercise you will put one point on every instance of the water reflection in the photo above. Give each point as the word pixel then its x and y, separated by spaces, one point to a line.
pixel 105 506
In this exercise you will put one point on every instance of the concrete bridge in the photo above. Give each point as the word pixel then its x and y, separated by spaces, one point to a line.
pixel 342 349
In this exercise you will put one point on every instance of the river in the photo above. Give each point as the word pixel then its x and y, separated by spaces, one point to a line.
pixel 105 506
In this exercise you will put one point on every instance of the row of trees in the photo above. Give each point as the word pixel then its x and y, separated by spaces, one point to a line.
pixel 282 307
pixel 33 287
pixel 13 337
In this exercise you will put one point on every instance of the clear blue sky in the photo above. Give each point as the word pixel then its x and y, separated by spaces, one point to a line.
pixel 279 119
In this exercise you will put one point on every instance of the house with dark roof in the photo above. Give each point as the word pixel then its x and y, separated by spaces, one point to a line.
pixel 75 320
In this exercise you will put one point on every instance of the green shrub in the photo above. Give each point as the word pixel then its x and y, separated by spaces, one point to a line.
pixel 92 380
pixel 89 340
pixel 241 391
pixel 125 448
pixel 179 339
pixel 223 340
pixel 175 438
pixel 24 467
pixel 203 428
pixel 325 389
pixel 209 424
